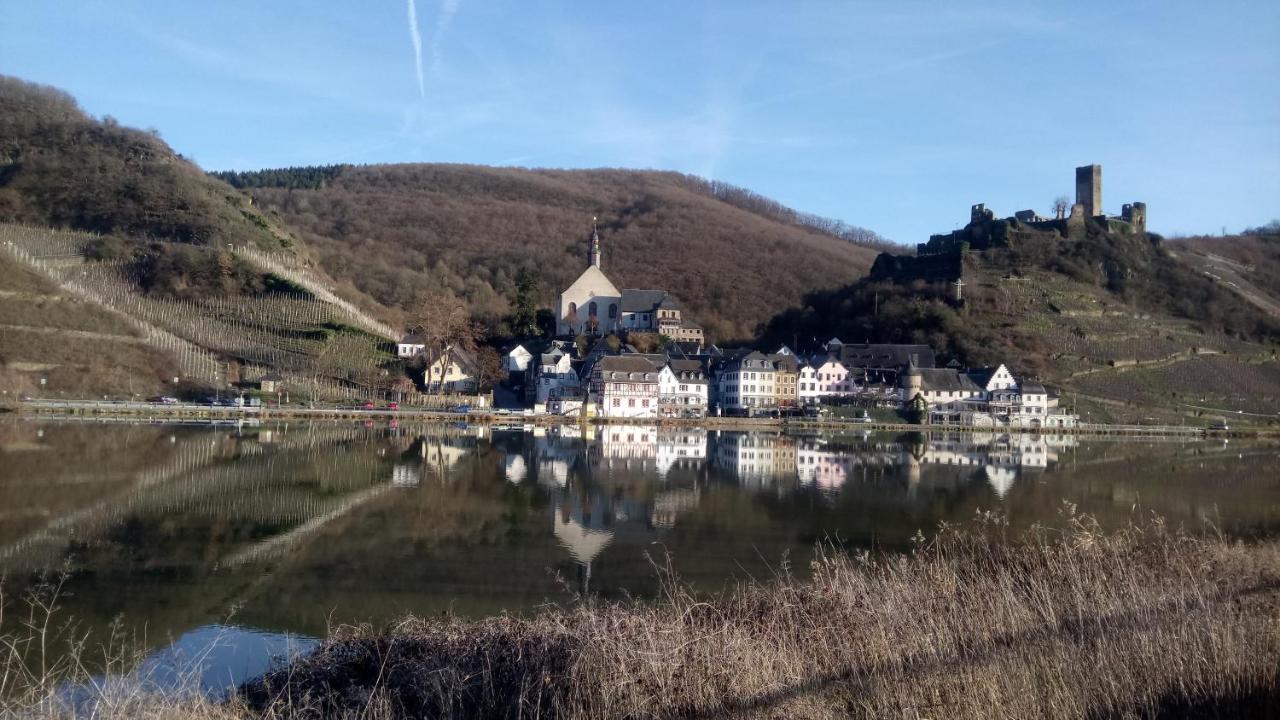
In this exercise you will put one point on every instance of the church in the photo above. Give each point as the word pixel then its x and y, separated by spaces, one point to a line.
pixel 593 305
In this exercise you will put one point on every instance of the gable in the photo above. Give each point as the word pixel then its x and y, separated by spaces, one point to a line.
pixel 591 282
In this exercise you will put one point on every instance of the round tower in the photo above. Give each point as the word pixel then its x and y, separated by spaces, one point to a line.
pixel 911 382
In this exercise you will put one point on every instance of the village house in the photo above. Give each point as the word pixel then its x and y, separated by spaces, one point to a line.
pixel 454 371
pixel 516 363
pixel 986 397
pixel 555 377
pixel 682 389
pixel 625 386
pixel 410 346
pixel 832 377
pixel 785 379
pixel 745 383
pixel 807 384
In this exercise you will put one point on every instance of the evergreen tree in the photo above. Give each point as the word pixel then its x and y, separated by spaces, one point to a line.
pixel 524 322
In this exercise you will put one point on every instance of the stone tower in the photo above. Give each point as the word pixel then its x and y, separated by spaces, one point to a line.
pixel 1089 189
pixel 911 382
pixel 593 255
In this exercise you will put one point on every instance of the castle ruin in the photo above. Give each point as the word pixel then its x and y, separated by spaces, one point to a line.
pixel 941 259
pixel 985 230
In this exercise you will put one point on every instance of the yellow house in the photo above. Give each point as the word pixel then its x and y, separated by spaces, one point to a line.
pixel 455 371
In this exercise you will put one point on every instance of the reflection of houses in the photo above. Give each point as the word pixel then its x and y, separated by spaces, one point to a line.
pixel 682 448
pixel 515 469
pixel 628 442
pixel 822 468
pixel 756 459
pixel 433 455
pixel 1002 458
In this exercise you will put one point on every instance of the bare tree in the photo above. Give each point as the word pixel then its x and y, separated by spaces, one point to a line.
pixel 441 322
pixel 1060 206
pixel 489 369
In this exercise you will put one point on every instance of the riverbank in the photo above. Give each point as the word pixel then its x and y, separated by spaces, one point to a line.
pixel 1143 622
pixel 144 411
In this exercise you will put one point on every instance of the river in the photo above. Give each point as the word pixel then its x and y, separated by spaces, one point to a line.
pixel 267 536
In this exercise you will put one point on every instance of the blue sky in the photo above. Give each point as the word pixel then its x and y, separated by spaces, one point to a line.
pixel 892 115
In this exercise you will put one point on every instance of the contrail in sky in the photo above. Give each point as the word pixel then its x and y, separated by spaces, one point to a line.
pixel 448 8
pixel 417 48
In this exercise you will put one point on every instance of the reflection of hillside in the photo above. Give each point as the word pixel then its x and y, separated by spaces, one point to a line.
pixel 104 484
pixel 352 523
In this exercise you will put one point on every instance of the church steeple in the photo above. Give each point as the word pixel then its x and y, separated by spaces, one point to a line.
pixel 593 255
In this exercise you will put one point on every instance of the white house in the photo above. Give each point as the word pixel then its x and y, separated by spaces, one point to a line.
pixel 832 377
pixel 409 346
pixel 745 382
pixel 807 385
pixel 517 362
pixel 625 386
pixel 986 397
pixel 682 389
pixel 556 378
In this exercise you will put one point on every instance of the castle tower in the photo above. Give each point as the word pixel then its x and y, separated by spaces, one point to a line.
pixel 593 255
pixel 911 382
pixel 1089 189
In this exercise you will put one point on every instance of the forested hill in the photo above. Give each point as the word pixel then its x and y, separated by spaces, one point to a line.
pixel 392 231
pixel 1130 326
pixel 63 168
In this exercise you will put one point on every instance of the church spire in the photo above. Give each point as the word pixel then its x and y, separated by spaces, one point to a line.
pixel 593 256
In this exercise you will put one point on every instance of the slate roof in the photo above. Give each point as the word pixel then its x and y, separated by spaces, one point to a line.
pixel 1034 388
pixel 784 362
pixel 741 356
pixel 682 348
pixel 946 380
pixel 627 364
pixel 643 300
pixel 886 356
pixel 687 370
pixel 982 375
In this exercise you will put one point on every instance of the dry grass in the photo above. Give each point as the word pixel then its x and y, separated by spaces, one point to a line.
pixel 1076 624
pixel 1080 623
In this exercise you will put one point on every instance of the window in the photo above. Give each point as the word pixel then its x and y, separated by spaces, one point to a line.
pixel 644 403
pixel 591 309
pixel 617 402
pixel 631 402
pixel 613 310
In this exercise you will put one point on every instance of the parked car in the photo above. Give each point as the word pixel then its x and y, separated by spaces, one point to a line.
pixel 393 405
pixel 1220 426
pixel 367 406
pixel 463 408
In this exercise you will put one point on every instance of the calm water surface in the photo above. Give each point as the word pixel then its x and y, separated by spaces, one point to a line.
pixel 273 532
